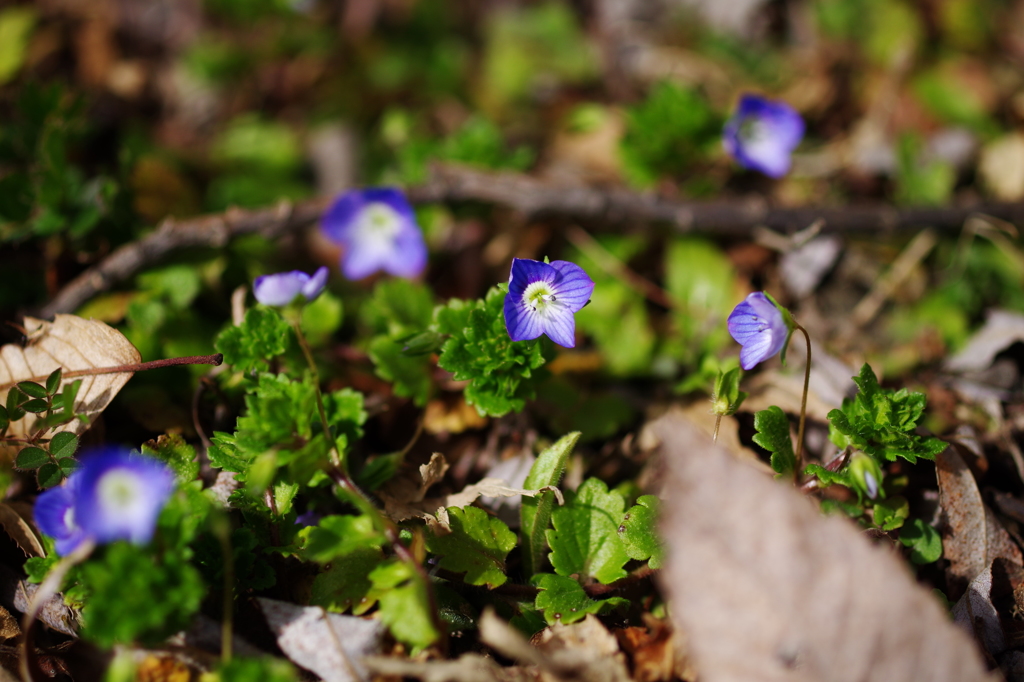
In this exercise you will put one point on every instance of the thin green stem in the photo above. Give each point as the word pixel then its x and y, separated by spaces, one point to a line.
pixel 336 459
pixel 803 405
pixel 222 529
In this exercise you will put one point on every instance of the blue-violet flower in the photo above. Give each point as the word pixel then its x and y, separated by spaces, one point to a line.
pixel 762 134
pixel 282 288
pixel 762 327
pixel 377 228
pixel 115 495
pixel 542 298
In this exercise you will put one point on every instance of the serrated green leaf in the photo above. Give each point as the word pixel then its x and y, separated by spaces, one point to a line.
pixel 49 475
pixel 63 444
pixel 263 334
pixel 826 477
pixel 345 584
pixel 53 381
pixel 585 539
pixel 639 531
pixel 772 428
pixel 409 375
pixel 176 453
pixel 477 546
pixel 502 373
pixel 535 512
pixel 404 604
pixel 924 541
pixel 563 600
pixel 335 537
pixel 31 458
pixel 399 307
pixel 32 389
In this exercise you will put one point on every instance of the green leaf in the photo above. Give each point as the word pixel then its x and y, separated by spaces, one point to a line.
pixel 404 604
pixel 264 334
pixel 501 372
pixel 63 444
pixel 49 475
pixel 585 539
pixel 345 584
pixel 399 307
pixel 139 596
pixel 535 512
pixel 477 546
pixel 69 395
pixel 264 668
pixel 5 419
pixel 68 465
pixel 176 453
pixel 772 428
pixel 15 31
pixel 924 541
pixel 31 458
pixel 321 318
pixel 409 375
pixel 639 531
pixel 727 396
pixel 890 514
pixel 564 601
pixel 827 478
pixel 53 381
pixel 32 389
pixel 335 537
pixel 36 405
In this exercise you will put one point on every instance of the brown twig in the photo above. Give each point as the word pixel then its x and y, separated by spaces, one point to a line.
pixel 214 359
pixel 531 196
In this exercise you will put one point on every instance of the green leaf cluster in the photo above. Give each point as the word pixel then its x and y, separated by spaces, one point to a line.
pixel 880 422
pixel 477 546
pixel 400 311
pixel 51 459
pixel 563 600
pixel 263 334
pixel 924 542
pixel 502 373
pixel 585 540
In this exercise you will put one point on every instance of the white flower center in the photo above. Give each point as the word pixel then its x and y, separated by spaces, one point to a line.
pixel 118 491
pixel 378 224
pixel 69 518
pixel 539 298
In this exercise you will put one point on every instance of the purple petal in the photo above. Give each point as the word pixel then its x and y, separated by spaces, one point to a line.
pixel 560 326
pixel 573 287
pixel 762 134
pixel 526 271
pixel 54 516
pixel 521 322
pixel 279 289
pixel 758 325
pixel 120 495
pixel 315 286
pixel 402 253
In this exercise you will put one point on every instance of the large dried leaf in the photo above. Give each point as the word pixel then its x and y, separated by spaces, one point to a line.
pixel 766 588
pixel 972 537
pixel 72 343
pixel 13 519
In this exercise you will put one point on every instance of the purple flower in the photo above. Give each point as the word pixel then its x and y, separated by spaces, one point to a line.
pixel 282 288
pixel 762 134
pixel 542 299
pixel 115 495
pixel 55 515
pixel 761 327
pixel 378 229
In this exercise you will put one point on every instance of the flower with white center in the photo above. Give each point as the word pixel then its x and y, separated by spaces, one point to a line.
pixel 115 495
pixel 761 327
pixel 378 230
pixel 283 287
pixel 762 134
pixel 542 299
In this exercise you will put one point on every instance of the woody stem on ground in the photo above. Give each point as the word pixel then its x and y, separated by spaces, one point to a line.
pixel 803 404
pixel 214 359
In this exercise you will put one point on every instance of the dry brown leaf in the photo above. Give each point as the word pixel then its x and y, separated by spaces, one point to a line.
pixel 658 651
pixel 440 417
pixel 767 588
pixel 9 628
pixel 13 517
pixel 972 537
pixel 72 343
pixel 978 616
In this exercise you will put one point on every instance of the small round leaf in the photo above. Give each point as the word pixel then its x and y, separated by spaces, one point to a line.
pixel 63 444
pixel 31 458
pixel 49 475
pixel 32 389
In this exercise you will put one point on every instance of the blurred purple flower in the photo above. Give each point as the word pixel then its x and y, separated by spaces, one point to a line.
pixel 115 495
pixel 762 134
pixel 378 229
pixel 282 288
pixel 761 327
pixel 542 299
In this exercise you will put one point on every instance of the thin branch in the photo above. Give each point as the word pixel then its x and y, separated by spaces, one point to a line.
pixel 214 359
pixel 736 216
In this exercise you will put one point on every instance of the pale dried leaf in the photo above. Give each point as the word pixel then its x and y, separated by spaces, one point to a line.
pixel 432 472
pixel 72 343
pixel 329 644
pixel 54 613
pixel 971 535
pixel 766 588
pixel 1001 330
pixel 13 517
pixel 803 268
pixel 976 614
pixel 1001 167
